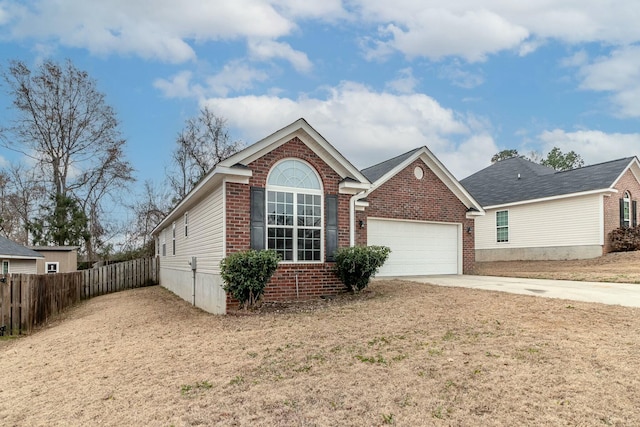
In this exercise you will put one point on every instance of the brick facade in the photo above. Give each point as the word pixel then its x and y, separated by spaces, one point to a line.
pixel 629 183
pixel 428 199
pixel 290 281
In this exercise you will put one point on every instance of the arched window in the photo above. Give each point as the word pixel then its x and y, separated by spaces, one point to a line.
pixel 294 211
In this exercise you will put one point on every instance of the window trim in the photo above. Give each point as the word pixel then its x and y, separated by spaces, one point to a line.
pixel 47 264
pixel 164 243
pixel 8 264
pixel 626 209
pixel 186 224
pixel 295 191
pixel 502 227
pixel 173 239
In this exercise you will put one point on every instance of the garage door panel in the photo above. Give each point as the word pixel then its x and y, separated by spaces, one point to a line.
pixel 417 248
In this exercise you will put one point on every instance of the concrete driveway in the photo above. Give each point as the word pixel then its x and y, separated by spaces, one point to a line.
pixel 624 294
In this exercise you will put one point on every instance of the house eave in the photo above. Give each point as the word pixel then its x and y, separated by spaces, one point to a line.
pixel 353 187
pixel 212 179
pixel 603 191
pixel 21 257
pixel 308 135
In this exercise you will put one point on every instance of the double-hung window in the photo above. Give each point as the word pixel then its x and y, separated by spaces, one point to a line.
pixel 294 212
pixel 502 226
pixel 5 267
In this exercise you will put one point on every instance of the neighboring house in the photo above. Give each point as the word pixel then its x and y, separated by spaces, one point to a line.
pixel 293 192
pixel 17 259
pixel 536 213
pixel 57 259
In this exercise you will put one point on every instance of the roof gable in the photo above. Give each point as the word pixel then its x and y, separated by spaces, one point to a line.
pixel 382 172
pixel 517 180
pixel 310 137
pixel 234 167
pixel 11 249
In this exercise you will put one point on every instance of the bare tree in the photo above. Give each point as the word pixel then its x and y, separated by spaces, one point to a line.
pixel 148 210
pixel 201 145
pixel 65 125
pixel 21 191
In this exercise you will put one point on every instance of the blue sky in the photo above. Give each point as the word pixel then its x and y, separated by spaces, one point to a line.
pixel 377 78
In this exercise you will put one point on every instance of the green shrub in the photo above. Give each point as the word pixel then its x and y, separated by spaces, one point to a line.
pixel 246 274
pixel 625 239
pixel 356 265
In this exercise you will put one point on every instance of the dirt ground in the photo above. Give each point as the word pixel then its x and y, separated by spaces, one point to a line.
pixel 401 353
pixel 622 267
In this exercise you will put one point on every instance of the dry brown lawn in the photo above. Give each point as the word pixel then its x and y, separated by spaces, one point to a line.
pixel 621 267
pixel 402 353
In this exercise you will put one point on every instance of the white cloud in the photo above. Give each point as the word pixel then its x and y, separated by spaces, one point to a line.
pixel 470 29
pixel 178 86
pixel 469 156
pixel 593 146
pixel 437 33
pixel 578 59
pixel 132 27
pixel 4 14
pixel 619 74
pixel 459 77
pixel 367 127
pixel 473 29
pixel 269 49
pixel 325 9
pixel 234 76
pixel 405 83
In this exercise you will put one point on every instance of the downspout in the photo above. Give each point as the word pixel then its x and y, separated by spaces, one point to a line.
pixel 352 216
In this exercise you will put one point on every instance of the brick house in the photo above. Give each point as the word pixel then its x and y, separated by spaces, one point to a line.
pixel 536 213
pixel 293 192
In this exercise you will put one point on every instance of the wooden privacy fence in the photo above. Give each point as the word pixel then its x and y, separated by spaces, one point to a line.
pixel 29 300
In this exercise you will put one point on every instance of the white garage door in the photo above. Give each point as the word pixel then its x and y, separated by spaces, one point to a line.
pixel 417 248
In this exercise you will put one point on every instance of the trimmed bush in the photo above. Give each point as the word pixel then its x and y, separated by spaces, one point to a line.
pixel 625 239
pixel 356 265
pixel 246 274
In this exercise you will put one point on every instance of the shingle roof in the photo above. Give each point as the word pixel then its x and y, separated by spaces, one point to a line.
pixel 375 172
pixel 12 249
pixel 516 179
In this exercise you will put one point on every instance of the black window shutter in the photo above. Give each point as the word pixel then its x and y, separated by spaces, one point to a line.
pixel 258 224
pixel 621 213
pixel 634 216
pixel 332 226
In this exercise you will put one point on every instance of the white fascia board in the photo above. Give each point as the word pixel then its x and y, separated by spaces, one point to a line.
pixel 352 187
pixel 20 257
pixel 473 214
pixel 634 166
pixel 213 178
pixel 306 133
pixel 361 205
pixel 604 191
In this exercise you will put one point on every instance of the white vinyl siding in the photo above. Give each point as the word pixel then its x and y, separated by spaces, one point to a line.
pixel 206 225
pixel 566 222
pixel 22 266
